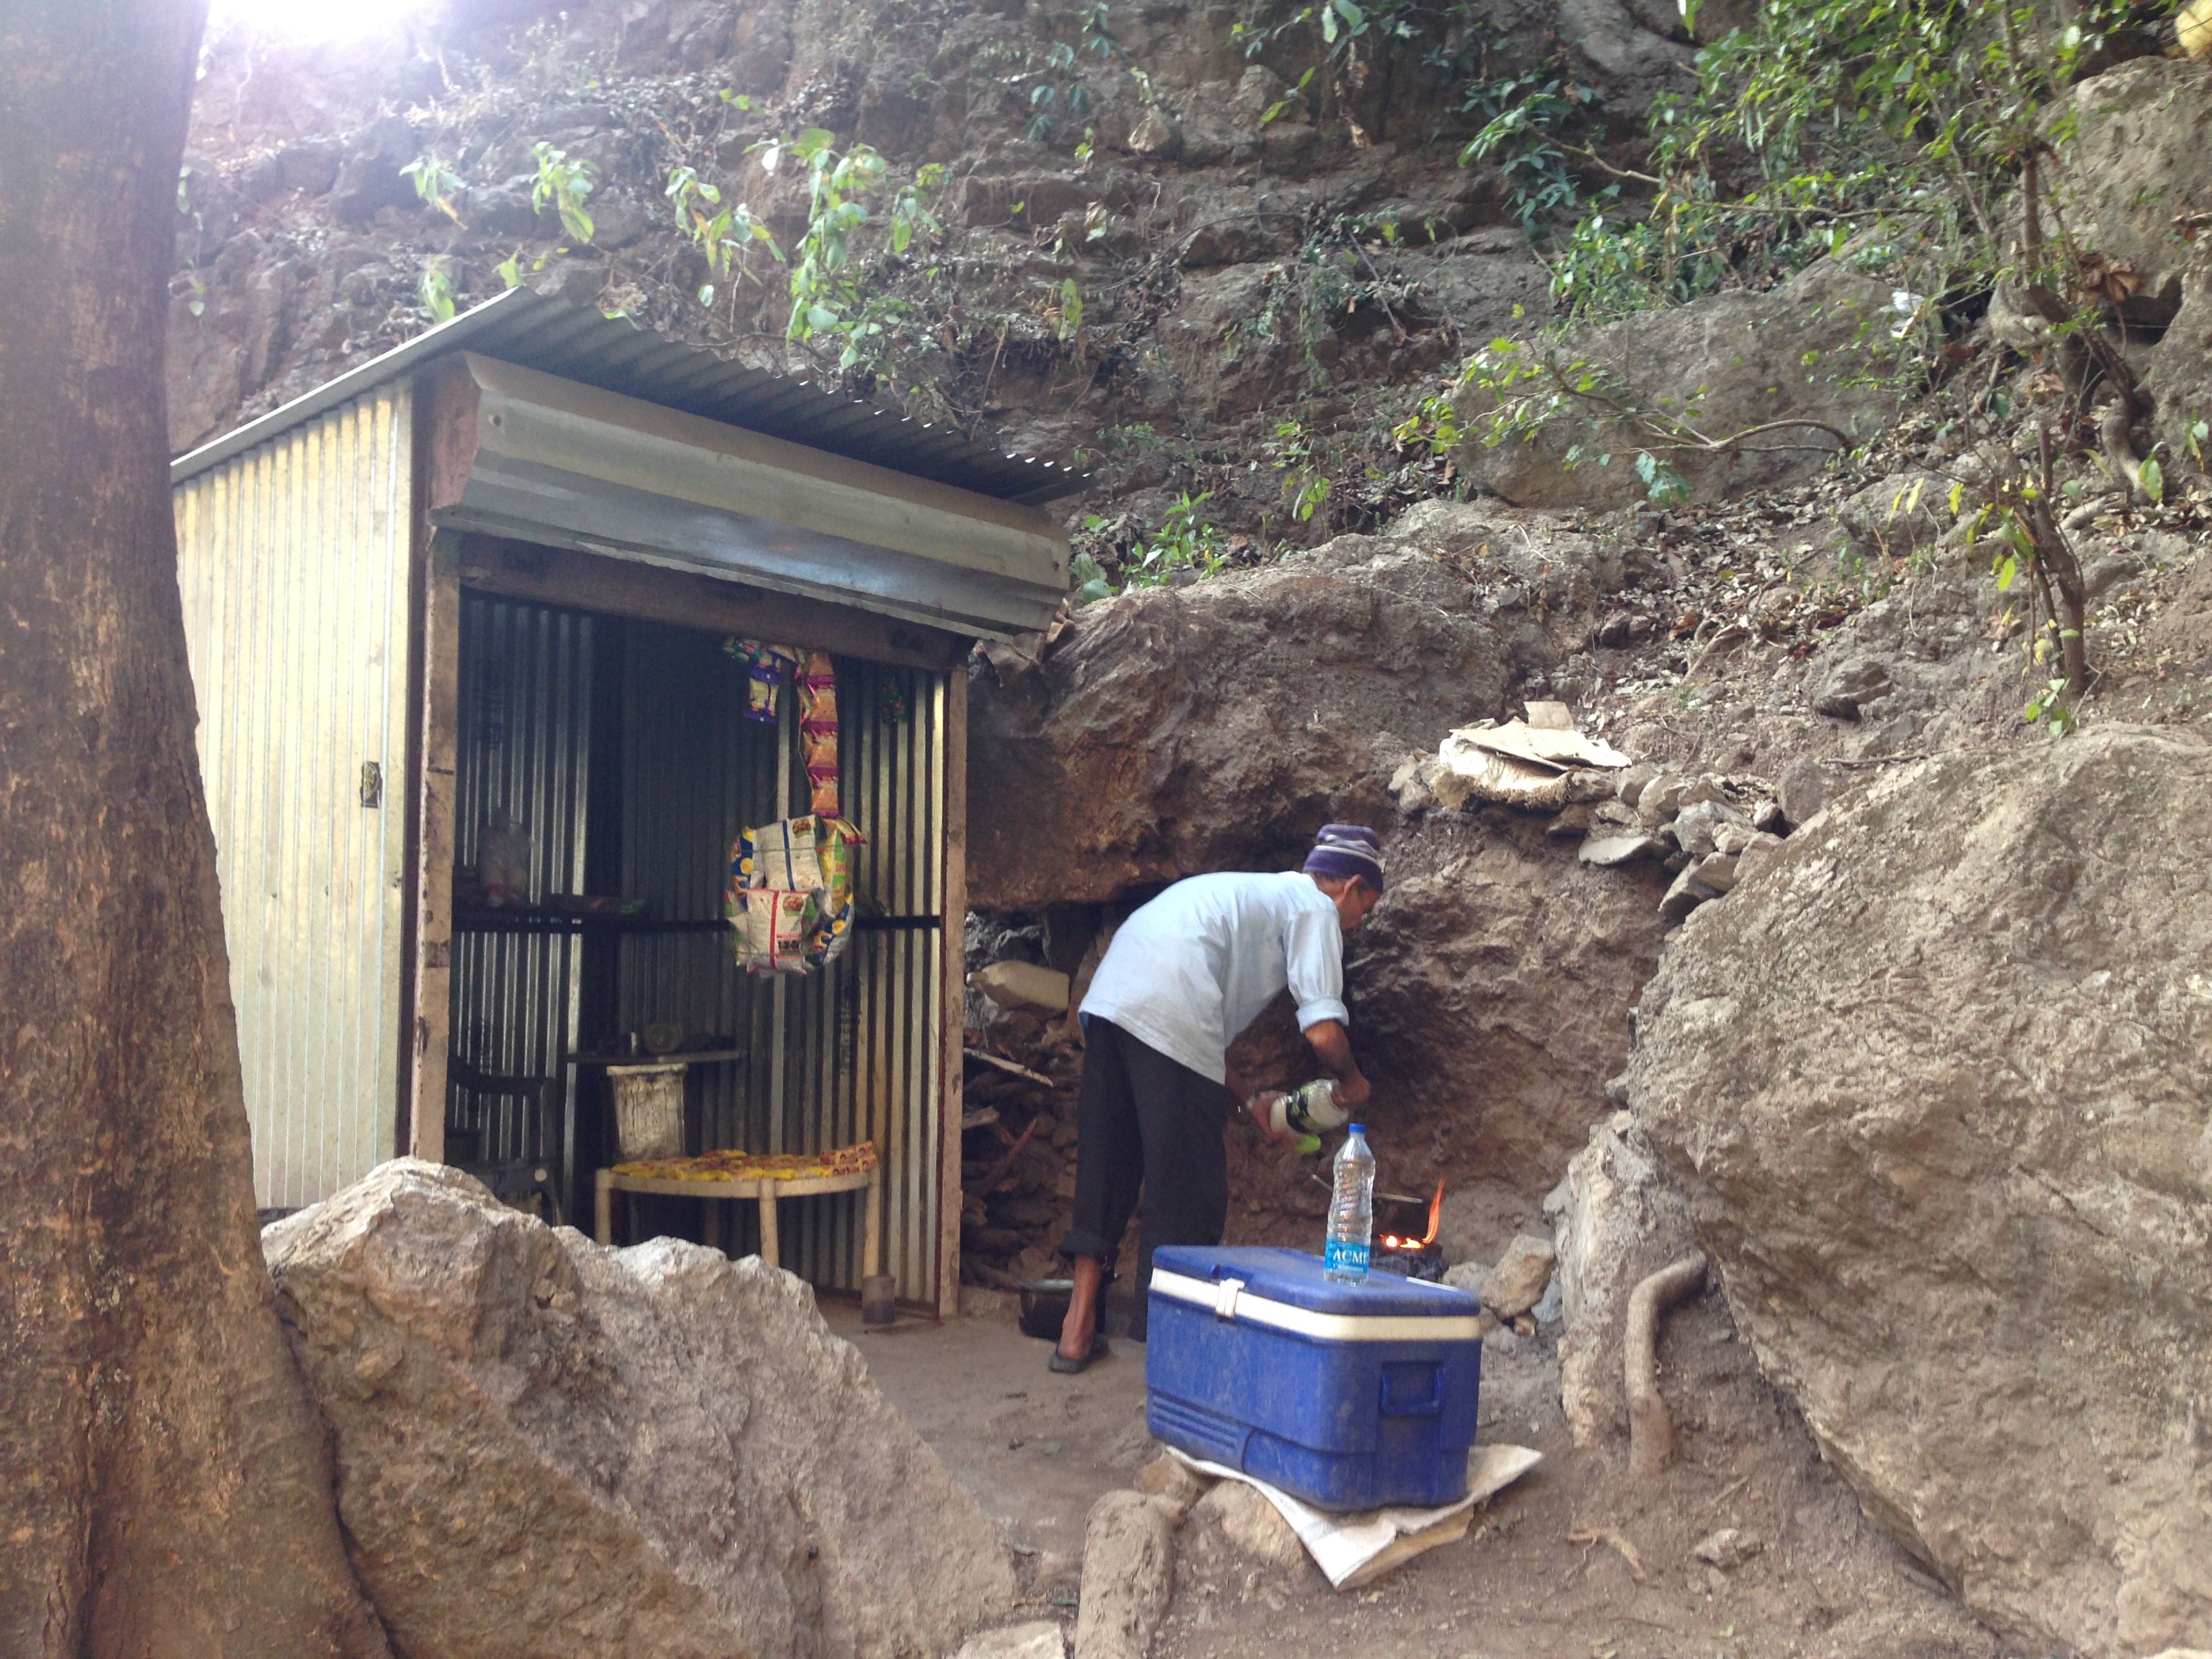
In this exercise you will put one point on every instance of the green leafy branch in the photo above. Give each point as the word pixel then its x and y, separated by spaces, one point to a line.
pixel 1184 542
pixel 1521 117
pixel 434 184
pixel 1060 89
pixel 566 182
pixel 832 296
pixel 725 233
pixel 1532 389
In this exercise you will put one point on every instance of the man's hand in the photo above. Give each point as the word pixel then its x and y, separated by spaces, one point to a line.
pixel 1261 1109
pixel 1333 1048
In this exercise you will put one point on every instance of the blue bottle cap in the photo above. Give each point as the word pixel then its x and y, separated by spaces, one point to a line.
pixel 1359 1128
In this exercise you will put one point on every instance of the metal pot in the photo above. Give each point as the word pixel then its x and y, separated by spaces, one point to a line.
pixel 1044 1306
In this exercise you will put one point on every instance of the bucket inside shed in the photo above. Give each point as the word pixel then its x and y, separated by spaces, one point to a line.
pixel 604 768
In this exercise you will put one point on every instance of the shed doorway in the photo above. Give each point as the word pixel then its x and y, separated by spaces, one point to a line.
pixel 604 765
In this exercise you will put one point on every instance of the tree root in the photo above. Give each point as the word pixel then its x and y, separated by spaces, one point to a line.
pixel 1650 1431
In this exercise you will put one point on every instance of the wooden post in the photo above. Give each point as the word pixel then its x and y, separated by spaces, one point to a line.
pixel 879 1290
pixel 871 1230
pixel 770 1247
pixel 952 938
pixel 431 1016
pixel 602 1206
pixel 446 438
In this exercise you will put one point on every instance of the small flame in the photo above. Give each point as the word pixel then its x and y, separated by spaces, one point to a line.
pixel 1393 1241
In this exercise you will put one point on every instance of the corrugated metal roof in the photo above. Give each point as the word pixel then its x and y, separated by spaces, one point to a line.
pixel 579 343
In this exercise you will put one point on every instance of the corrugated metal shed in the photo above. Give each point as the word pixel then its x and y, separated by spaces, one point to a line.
pixel 579 343
pixel 292 564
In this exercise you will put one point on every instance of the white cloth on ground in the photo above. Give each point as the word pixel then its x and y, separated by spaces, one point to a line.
pixel 1356 1549
pixel 1194 967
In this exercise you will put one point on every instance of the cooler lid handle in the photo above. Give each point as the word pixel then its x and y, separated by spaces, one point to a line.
pixel 1224 1297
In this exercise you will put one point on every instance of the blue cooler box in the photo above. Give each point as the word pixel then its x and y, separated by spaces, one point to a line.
pixel 1349 1396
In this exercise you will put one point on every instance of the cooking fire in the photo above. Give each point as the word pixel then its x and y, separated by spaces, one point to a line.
pixel 1398 1250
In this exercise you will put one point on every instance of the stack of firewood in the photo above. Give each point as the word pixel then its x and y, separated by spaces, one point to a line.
pixel 1017 1148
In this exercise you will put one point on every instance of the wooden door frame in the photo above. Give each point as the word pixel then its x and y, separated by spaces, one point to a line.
pixel 952 941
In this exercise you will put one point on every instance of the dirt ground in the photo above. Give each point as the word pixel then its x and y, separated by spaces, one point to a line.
pixel 1571 1563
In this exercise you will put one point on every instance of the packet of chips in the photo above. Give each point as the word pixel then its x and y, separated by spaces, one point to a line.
pixel 775 928
pixel 818 730
pixel 765 665
pixel 811 856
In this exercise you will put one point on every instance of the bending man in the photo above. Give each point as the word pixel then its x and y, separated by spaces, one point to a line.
pixel 1184 975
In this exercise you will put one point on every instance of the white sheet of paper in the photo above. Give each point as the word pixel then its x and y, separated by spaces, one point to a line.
pixel 1356 1549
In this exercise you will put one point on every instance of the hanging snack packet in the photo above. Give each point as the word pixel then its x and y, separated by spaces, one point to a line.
pixel 779 854
pixel 774 930
pixel 833 841
pixel 811 856
pixel 818 730
pixel 823 796
pixel 765 665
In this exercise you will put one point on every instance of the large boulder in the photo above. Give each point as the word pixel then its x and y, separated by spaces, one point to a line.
pixel 546 1446
pixel 2132 175
pixel 1616 1219
pixel 1938 1085
pixel 1182 729
pixel 1490 994
pixel 1812 350
pixel 2133 187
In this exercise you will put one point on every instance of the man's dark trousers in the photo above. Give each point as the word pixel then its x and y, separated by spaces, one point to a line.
pixel 1144 1121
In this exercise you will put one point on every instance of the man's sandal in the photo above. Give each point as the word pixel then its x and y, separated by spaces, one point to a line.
pixel 1066 1367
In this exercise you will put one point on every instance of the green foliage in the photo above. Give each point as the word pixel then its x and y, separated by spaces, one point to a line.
pixel 1185 541
pixel 1059 90
pixel 1090 580
pixel 2015 521
pixel 1521 116
pixel 2050 707
pixel 436 292
pixel 832 299
pixel 1608 267
pixel 1663 485
pixel 1305 479
pixel 1825 119
pixel 1338 27
pixel 434 184
pixel 1067 314
pixel 1531 388
pixel 1433 428
pixel 724 232
pixel 567 182
pixel 1331 277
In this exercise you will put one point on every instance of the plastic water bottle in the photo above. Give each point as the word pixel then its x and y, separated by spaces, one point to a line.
pixel 1350 1210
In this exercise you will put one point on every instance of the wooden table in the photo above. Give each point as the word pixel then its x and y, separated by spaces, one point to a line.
pixel 763 1191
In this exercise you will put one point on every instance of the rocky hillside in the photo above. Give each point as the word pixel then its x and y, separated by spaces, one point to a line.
pixel 1875 991
pixel 1156 249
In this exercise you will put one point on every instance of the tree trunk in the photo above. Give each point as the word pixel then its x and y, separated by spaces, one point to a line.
pixel 168 1489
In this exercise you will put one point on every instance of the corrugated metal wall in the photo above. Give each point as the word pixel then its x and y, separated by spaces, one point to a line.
pixel 830 1058
pixel 523 751
pixel 861 1056
pixel 292 561
pixel 835 1058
